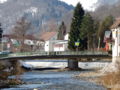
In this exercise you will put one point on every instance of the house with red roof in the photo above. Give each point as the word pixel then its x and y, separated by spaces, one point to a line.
pixel 51 43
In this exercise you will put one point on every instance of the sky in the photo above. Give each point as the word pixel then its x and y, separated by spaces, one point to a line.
pixel 2 1
pixel 87 4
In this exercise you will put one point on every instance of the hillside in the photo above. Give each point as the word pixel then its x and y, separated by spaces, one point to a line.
pixel 43 12
pixel 38 12
pixel 107 9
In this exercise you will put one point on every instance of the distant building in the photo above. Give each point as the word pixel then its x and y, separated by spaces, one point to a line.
pixel 61 45
pixel 51 42
pixel 48 38
pixel 107 40
pixel 13 44
pixel 116 38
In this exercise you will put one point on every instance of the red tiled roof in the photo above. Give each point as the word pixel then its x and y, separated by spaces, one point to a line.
pixel 47 35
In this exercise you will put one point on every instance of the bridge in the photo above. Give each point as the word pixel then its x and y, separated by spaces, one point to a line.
pixel 72 56
pixel 54 55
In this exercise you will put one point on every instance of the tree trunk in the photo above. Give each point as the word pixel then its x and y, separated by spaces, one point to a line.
pixel 88 44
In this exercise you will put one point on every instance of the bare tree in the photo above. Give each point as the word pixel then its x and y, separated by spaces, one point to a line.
pixel 50 26
pixel 20 31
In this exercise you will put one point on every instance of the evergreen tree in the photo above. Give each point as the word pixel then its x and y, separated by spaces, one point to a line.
pixel 87 31
pixel 62 31
pixel 75 27
pixel 104 25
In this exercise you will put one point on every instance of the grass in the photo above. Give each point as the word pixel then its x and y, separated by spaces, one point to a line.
pixel 111 81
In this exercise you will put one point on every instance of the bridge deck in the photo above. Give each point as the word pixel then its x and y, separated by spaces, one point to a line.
pixel 54 55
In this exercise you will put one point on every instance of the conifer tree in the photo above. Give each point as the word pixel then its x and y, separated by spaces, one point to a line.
pixel 75 27
pixel 62 31
pixel 87 31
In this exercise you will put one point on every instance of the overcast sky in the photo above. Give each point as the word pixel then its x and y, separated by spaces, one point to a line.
pixel 2 1
pixel 87 4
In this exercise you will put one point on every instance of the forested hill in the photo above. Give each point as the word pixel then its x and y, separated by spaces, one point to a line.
pixel 40 12
pixel 37 11
pixel 107 9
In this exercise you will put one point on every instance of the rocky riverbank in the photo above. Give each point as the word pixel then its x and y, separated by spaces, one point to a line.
pixel 92 76
pixel 6 70
pixel 9 82
pixel 109 80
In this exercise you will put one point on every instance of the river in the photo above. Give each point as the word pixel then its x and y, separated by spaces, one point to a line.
pixel 53 80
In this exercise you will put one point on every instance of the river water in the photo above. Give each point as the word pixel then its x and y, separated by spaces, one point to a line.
pixel 53 80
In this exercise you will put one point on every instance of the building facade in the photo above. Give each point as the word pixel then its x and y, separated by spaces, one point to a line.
pixel 52 44
pixel 116 38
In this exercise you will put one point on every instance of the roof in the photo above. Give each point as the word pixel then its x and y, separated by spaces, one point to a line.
pixel 116 24
pixel 30 37
pixel 47 35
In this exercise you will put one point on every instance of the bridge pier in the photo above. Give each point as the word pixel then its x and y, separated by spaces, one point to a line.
pixel 73 64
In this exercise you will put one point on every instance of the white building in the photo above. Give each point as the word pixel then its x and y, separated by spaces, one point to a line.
pixel 48 38
pixel 116 38
pixel 61 45
pixel 51 42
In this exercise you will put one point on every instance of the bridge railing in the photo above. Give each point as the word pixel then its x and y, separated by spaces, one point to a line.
pixel 81 53
pixel 54 53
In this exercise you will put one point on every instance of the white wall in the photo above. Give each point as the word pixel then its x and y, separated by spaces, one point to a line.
pixel 116 43
pixel 50 45
pixel 63 48
pixel 46 46
pixel 59 48
pixel 66 36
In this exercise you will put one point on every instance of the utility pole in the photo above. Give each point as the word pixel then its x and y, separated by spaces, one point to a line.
pixel 1 32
